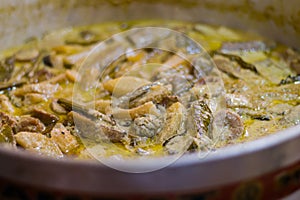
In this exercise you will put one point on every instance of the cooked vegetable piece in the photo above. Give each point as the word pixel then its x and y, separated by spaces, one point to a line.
pixel 40 88
pixel 6 69
pixel 7 135
pixel 237 100
pixel 292 118
pixel 203 143
pixel 226 66
pixel 43 116
pixel 6 119
pixel 200 119
pixel 279 109
pixel 63 138
pixel 33 98
pixel 97 129
pixel 174 123
pixel 90 113
pixel 243 46
pixel 38 143
pixel 255 114
pixel 5 104
pixel 154 92
pixel 178 144
pixel 228 124
pixel 123 85
pixel 147 102
pixel 29 124
pixel 147 126
pixel 142 110
pixel 102 105
pixel 240 61
pixel 57 108
pixel 180 83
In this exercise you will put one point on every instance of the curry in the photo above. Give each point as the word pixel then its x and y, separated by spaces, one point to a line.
pixel 149 102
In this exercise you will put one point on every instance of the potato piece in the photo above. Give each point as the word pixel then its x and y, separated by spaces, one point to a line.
pixel 38 143
pixel 63 138
pixel 55 107
pixel 123 85
pixel 5 104
pixel 174 125
pixel 33 98
pixel 147 108
pixel 102 105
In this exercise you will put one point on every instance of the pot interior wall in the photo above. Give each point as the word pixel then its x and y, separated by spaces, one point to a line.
pixel 32 18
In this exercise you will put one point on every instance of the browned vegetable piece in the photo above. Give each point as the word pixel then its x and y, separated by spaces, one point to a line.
pixel 7 119
pixel 200 119
pixel 153 92
pixel 38 143
pixel 174 124
pixel 29 124
pixel 84 110
pixel 229 124
pixel 63 138
pixel 97 129
pixel 240 61
pixel 43 116
pixel 57 108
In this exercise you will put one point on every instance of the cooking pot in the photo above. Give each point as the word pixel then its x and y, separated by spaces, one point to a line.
pixel 263 169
